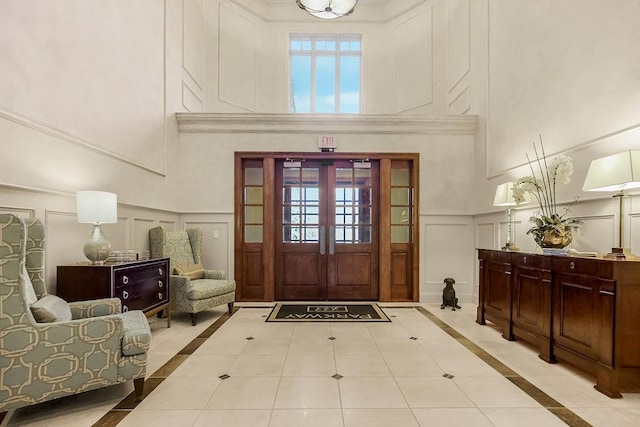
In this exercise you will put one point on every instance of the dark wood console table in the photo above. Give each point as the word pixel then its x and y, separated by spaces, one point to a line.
pixel 585 311
pixel 140 285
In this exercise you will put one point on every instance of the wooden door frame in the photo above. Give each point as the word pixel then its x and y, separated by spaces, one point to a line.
pixel 268 244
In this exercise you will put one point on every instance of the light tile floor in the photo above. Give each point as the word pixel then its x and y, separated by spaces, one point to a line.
pixel 283 377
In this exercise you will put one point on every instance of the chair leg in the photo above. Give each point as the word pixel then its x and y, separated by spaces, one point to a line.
pixel 230 308
pixel 138 385
pixel 194 319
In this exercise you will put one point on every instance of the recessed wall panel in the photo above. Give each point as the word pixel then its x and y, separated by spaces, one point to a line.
pixel 458 42
pixel 563 70
pixel 92 71
pixel 237 61
pixel 193 40
pixel 414 61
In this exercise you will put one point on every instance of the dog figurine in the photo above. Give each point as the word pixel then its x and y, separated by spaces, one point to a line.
pixel 449 295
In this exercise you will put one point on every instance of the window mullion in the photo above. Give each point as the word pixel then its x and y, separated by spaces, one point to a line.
pixel 313 81
pixel 336 99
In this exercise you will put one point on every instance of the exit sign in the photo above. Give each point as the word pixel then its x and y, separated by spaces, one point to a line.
pixel 327 142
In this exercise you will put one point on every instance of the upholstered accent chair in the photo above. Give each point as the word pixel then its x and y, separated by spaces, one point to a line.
pixel 86 345
pixel 192 288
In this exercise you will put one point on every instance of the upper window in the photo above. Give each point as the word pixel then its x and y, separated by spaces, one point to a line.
pixel 325 73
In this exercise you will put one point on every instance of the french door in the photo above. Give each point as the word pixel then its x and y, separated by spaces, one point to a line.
pixel 326 229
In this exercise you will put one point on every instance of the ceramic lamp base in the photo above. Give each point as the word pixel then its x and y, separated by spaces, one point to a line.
pixel 97 248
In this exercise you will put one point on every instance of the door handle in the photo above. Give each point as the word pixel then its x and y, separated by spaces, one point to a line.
pixel 322 240
pixel 332 239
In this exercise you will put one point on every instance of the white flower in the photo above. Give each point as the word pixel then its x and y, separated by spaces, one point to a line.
pixel 562 169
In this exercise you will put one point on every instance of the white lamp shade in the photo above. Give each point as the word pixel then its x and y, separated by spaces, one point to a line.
pixel 504 195
pixel 614 173
pixel 97 207
pixel 327 9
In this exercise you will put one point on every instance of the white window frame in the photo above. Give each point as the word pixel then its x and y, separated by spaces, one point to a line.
pixel 336 37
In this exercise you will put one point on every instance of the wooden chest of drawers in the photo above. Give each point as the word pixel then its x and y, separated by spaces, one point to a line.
pixel 140 285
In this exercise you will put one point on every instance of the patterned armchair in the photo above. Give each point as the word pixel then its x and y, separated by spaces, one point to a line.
pixel 99 346
pixel 193 289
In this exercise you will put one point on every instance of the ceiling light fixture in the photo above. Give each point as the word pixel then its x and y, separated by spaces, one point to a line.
pixel 327 9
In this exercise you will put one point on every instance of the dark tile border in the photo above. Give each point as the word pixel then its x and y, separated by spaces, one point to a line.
pixel 126 405
pixel 129 403
pixel 548 402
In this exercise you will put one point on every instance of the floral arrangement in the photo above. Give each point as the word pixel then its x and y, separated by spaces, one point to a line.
pixel 550 229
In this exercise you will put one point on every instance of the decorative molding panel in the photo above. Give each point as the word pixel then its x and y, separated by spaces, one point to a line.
pixel 237 60
pixel 458 44
pixel 217 247
pixel 193 40
pixel 323 123
pixel 461 103
pixel 89 145
pixel 99 83
pixel 413 56
pixel 190 101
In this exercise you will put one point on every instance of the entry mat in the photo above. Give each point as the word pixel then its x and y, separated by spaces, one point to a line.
pixel 314 312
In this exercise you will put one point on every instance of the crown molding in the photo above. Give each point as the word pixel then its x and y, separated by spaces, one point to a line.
pixel 324 123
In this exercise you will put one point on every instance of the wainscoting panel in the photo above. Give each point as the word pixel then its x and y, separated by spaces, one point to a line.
pixel 216 244
pixel 447 252
pixel 140 233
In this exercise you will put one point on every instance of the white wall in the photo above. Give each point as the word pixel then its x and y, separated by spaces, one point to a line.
pixel 89 92
pixel 561 70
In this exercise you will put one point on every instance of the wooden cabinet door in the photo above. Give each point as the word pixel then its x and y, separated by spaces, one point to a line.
pixel 531 301
pixel 583 316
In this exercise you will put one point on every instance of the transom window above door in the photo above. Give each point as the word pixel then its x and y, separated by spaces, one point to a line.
pixel 325 73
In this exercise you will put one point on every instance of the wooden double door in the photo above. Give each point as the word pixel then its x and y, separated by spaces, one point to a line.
pixel 326 229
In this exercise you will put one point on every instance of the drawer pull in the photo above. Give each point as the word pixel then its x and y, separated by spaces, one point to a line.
pixel 125 294
pixel 125 308
pixel 160 272
pixel 159 295
pixel 524 260
pixel 572 265
pixel 160 284
pixel 125 280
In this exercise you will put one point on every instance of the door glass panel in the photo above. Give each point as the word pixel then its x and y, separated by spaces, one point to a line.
pixel 253 214
pixel 353 205
pixel 253 176
pixel 362 177
pixel 253 195
pixel 300 205
pixel 253 203
pixel 399 215
pixel 400 177
pixel 399 196
pixel 253 233
pixel 399 234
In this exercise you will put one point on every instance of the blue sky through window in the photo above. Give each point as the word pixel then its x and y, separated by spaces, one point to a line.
pixel 325 73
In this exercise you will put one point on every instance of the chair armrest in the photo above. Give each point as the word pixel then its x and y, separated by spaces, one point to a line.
pixel 215 274
pixel 95 308
pixel 67 333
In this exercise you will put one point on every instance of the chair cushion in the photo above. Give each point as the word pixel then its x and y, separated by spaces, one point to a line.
pixel 178 247
pixel 51 308
pixel 208 288
pixel 192 271
pixel 28 292
pixel 137 334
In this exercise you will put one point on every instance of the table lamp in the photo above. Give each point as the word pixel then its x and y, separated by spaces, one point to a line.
pixel 97 208
pixel 504 197
pixel 618 173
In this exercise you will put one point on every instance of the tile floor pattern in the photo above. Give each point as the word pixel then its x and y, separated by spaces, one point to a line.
pixel 282 374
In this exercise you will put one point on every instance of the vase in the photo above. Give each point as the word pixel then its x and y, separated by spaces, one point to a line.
pixel 553 238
